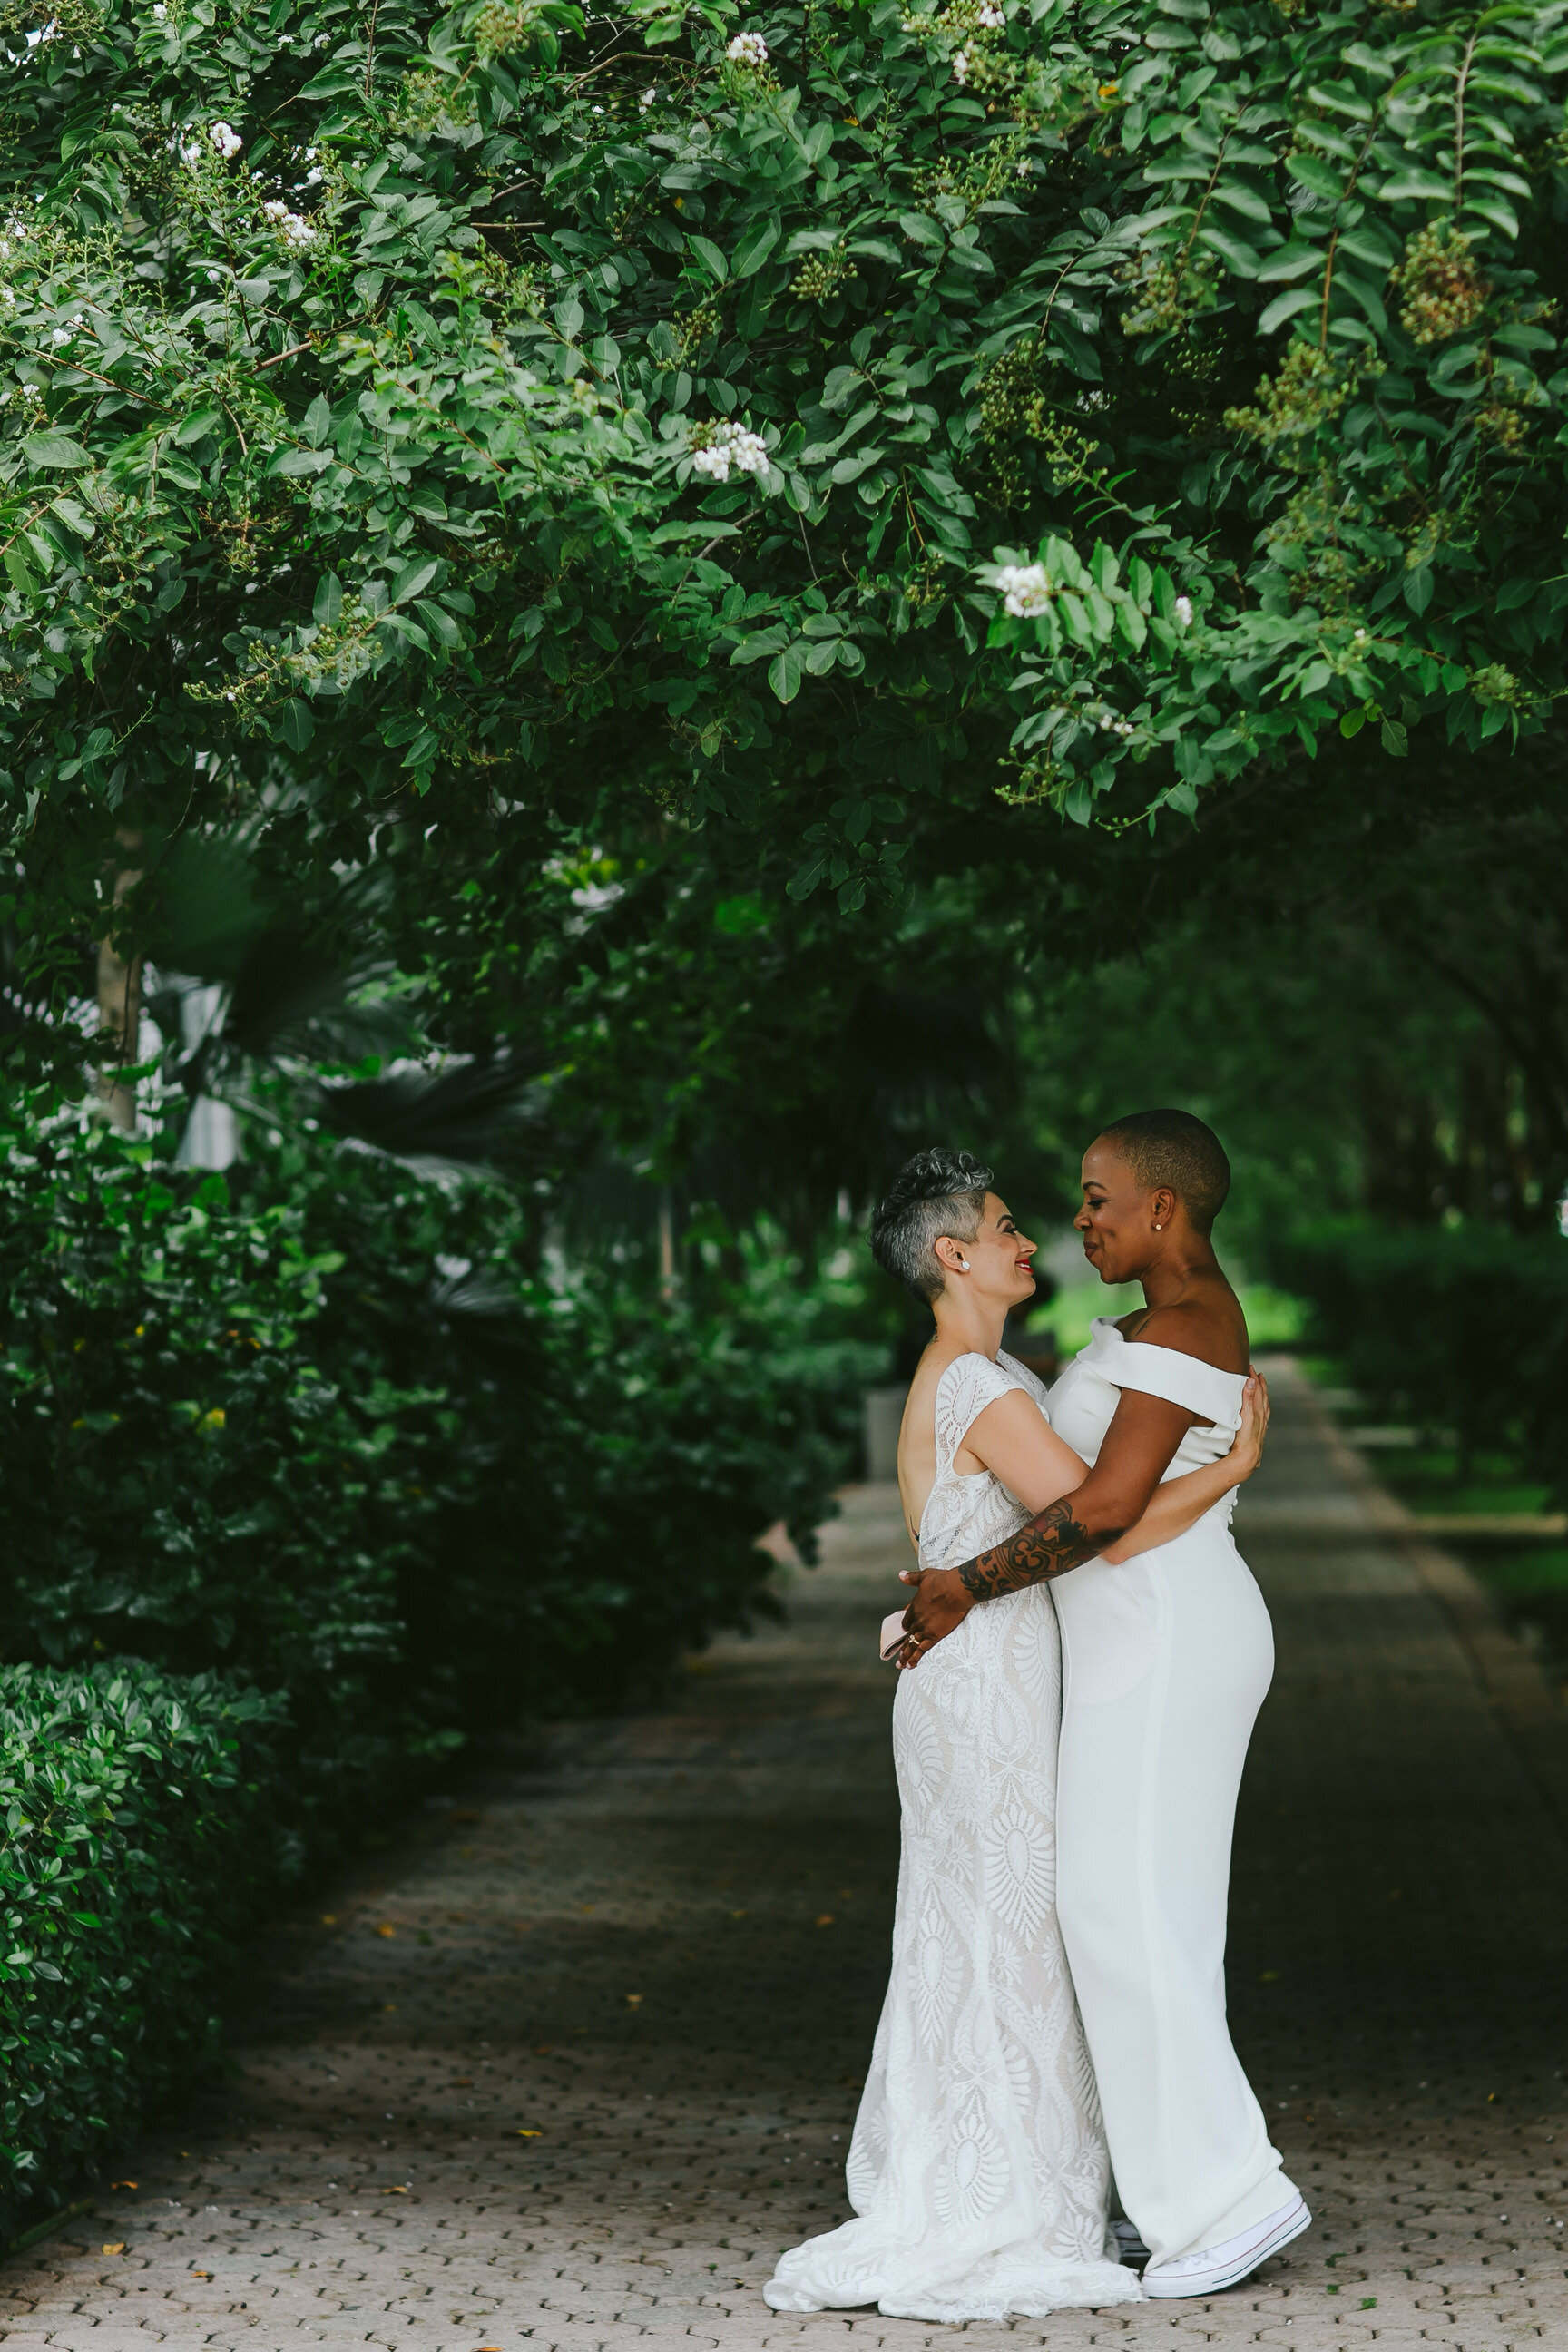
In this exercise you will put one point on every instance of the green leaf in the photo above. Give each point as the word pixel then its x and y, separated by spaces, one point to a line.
pixel 1311 172
pixel 329 601
pixel 1395 739
pixel 1286 306
pixel 298 726
pixel 1292 260
pixel 785 673
pixel 755 245
pixel 1245 201
pixel 412 578
pixel 709 255
pixel 1413 183
pixel 41 449
pixel 1241 257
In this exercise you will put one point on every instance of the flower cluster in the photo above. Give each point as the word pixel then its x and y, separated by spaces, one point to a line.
pixel 822 274
pixel 1110 725
pixel 226 140
pixel 716 448
pixel 49 32
pixel 1183 611
pixel 1442 285
pixel 748 49
pixel 498 31
pixel 293 227
pixel 1026 590
pixel 1308 392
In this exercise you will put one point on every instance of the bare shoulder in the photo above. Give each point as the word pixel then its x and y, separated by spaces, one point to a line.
pixel 1210 1326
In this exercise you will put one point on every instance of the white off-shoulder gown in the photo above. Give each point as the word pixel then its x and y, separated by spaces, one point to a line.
pixel 1166 1660
pixel 978 2168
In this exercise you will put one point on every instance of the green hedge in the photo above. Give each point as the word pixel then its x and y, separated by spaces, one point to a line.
pixel 135 1805
pixel 1462 1327
pixel 324 1423
pixel 318 1438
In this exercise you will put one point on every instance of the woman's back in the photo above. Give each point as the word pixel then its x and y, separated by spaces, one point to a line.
pixel 963 1514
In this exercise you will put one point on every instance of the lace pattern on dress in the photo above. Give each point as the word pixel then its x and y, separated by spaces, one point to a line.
pixel 978 2166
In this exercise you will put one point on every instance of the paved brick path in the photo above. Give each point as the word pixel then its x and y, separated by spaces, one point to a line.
pixel 571 2063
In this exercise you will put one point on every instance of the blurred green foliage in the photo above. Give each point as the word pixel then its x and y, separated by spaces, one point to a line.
pixel 1461 1328
pixel 328 1423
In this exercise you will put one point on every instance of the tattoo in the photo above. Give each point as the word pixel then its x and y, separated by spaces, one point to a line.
pixel 1048 1547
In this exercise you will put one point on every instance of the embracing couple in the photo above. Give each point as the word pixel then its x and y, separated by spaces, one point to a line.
pixel 1053 2090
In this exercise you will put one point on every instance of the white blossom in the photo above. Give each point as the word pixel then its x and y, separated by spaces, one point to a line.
pixel 292 226
pixel 961 68
pixel 991 17
pixel 49 32
pixel 159 12
pixel 748 49
pixel 1026 590
pixel 731 446
pixel 1183 611
pixel 226 140
pixel 646 101
pixel 59 335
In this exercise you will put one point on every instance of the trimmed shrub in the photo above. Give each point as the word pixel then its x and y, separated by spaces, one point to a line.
pixel 134 1805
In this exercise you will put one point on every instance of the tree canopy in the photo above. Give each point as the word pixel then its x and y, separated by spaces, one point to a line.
pixel 637 491
pixel 777 424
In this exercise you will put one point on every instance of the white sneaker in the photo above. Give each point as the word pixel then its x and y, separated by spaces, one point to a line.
pixel 1237 2258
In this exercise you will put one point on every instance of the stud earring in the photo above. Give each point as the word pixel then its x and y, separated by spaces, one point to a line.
pixel 964 1262
pixel 1159 1229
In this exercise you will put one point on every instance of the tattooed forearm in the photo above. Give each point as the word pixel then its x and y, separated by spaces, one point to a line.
pixel 1048 1547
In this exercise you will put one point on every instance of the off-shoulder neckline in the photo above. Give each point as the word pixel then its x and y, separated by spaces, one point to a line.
pixel 1104 1326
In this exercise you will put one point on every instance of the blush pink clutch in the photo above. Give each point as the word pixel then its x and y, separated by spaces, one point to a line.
pixel 889 1641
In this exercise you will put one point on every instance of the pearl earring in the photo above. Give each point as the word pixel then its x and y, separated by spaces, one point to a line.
pixel 1159 1229
pixel 964 1262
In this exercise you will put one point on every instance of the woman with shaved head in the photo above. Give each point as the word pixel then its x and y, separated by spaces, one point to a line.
pixel 1166 1659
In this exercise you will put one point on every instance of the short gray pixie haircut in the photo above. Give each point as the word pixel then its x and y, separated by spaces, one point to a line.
pixel 935 1193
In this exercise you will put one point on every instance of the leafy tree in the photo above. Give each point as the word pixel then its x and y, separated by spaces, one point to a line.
pixel 577 429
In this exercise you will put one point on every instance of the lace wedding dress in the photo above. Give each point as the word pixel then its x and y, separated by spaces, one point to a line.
pixel 978 2166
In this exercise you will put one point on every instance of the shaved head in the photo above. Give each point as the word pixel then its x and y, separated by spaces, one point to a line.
pixel 1174 1149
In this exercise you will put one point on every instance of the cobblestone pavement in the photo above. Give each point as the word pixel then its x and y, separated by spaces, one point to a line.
pixel 566 2065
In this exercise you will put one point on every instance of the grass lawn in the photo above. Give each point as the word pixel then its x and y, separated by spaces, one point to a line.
pixel 1273 1320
